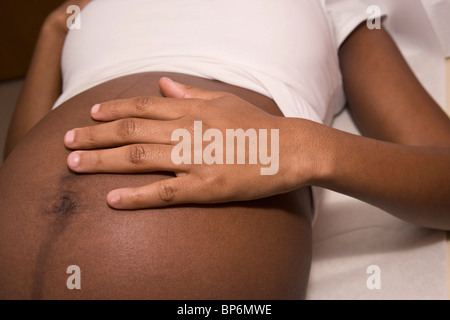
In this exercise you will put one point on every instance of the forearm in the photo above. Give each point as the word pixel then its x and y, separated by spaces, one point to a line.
pixel 42 85
pixel 412 183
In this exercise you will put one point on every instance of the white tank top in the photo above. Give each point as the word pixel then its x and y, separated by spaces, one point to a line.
pixel 283 49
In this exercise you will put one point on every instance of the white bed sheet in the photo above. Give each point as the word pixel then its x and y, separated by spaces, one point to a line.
pixel 349 236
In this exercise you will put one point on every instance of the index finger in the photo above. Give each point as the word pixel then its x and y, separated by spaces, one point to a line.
pixel 157 108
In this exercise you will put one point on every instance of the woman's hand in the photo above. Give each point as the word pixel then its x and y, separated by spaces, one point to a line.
pixel 165 134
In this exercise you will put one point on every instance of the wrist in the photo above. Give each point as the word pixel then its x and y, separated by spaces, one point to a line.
pixel 338 158
pixel 312 152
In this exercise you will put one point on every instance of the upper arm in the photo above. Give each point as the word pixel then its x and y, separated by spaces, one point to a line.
pixel 384 97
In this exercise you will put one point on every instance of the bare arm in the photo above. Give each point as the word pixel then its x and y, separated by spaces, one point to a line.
pixel 401 166
pixel 41 87
pixel 43 82
pixel 406 170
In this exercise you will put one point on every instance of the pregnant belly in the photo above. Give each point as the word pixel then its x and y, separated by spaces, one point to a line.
pixel 60 240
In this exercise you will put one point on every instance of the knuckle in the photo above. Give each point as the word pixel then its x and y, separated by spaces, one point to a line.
pixel 127 128
pixel 137 154
pixel 113 107
pixel 203 104
pixel 142 103
pixel 206 126
pixel 166 192
pixel 91 135
pixel 213 179
pixel 190 128
pixel 210 187
pixel 198 105
pixel 218 180
pixel 96 159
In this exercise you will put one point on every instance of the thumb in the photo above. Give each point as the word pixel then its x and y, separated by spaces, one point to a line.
pixel 172 89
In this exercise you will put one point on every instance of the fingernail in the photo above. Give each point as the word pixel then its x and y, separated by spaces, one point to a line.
pixel 69 137
pixel 74 160
pixel 114 198
pixel 95 108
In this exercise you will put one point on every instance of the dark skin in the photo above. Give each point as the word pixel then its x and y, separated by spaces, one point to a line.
pixel 384 97
pixel 391 144
pixel 388 103
pixel 52 218
pixel 401 165
pixel 43 82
